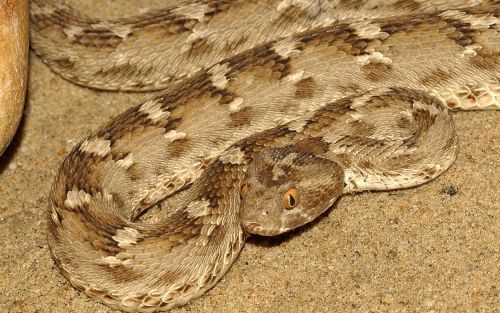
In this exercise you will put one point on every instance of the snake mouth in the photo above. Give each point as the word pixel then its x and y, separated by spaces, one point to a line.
pixel 257 229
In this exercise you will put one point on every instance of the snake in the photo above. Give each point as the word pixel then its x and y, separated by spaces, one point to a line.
pixel 259 142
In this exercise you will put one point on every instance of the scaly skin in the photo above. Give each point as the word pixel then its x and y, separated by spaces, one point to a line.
pixel 235 129
pixel 157 49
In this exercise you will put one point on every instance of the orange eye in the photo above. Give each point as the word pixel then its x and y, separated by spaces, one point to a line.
pixel 244 190
pixel 291 198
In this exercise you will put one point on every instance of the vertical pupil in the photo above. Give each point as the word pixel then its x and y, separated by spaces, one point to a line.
pixel 292 200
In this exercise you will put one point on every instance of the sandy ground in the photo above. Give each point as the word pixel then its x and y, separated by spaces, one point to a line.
pixel 425 249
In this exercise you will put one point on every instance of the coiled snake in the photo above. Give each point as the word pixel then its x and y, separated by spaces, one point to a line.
pixel 261 142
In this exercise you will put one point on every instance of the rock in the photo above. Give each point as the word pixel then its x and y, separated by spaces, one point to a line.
pixel 14 34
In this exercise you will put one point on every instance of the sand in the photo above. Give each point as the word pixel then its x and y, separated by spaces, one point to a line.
pixel 434 248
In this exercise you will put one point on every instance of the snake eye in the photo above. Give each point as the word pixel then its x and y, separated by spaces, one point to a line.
pixel 291 198
pixel 244 190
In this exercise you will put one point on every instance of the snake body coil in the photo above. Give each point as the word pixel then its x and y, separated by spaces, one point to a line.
pixel 265 140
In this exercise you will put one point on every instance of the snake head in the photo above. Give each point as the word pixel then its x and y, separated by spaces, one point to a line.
pixel 286 188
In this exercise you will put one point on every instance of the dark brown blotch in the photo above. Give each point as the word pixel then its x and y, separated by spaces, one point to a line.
pixel 305 88
pixel 241 118
pixel 313 144
pixel 366 165
pixel 344 159
pixel 64 63
pixel 410 5
pixel 263 56
pixel 404 123
pixel 102 39
pixel 464 33
pixel 178 147
pixel 362 128
pixel 226 97
pixel 133 173
pixel 199 49
pixel 436 76
pixel 329 113
pixel 376 72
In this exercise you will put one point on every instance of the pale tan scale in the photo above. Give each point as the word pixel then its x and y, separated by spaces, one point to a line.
pixel 97 146
pixel 127 162
pixel 259 142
